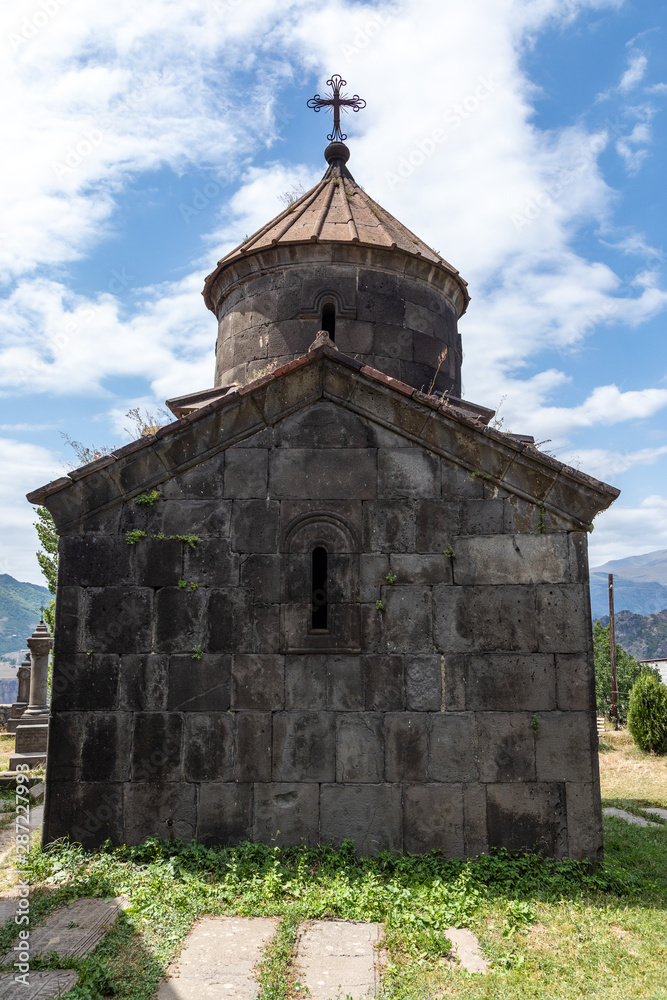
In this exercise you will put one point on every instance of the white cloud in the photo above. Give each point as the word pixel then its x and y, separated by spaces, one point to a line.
pixel 635 72
pixel 627 531
pixel 24 466
pixel 605 464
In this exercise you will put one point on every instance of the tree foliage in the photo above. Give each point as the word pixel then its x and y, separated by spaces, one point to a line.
pixel 628 670
pixel 647 719
pixel 48 538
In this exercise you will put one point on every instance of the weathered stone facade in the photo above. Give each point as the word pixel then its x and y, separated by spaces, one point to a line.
pixel 352 609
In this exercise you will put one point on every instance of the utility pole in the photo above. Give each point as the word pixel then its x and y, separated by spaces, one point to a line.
pixel 612 653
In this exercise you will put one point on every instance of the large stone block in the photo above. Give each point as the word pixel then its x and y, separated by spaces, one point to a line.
pixel 563 613
pixel 180 613
pixel 69 620
pixel 258 682
pixel 156 747
pixel 389 526
pixel 423 683
pixel 144 682
pixel 369 815
pixel 118 620
pixel 566 746
pixel 208 746
pixel 406 746
pixel 406 620
pixel 408 472
pixel 85 682
pixel 482 517
pixel 286 814
pixel 575 681
pixel 527 816
pixel 105 750
pixel 323 424
pixel 320 475
pixel 94 560
pixel 421 569
pixel 501 682
pixel 511 559
pixel 345 683
pixel 157 562
pixel 230 621
pixel 159 809
pixel 383 683
pixel 306 682
pixel 66 736
pixel 199 685
pixel 584 821
pixel 202 482
pixel 255 525
pixel 196 517
pixel 433 819
pixel 481 618
pixel 359 748
pixel 454 672
pixel 452 755
pixel 246 473
pixel 266 630
pixel 373 570
pixel 260 572
pixel 507 746
pixel 224 815
pixel 304 746
pixel 253 746
pixel 475 823
pixel 89 813
pixel 211 563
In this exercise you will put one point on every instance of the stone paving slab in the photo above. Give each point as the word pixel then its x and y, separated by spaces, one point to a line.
pixel 338 957
pixel 466 949
pixel 218 960
pixel 74 930
pixel 42 985
pixel 628 817
pixel 662 813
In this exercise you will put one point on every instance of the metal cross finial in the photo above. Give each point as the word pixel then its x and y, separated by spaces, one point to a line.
pixel 336 100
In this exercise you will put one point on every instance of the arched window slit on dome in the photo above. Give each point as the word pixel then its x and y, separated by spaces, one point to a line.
pixel 329 319
pixel 319 588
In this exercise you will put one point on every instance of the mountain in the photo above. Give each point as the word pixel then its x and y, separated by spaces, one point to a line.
pixel 640 584
pixel 644 636
pixel 20 605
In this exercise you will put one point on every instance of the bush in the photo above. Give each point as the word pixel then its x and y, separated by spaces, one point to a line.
pixel 647 716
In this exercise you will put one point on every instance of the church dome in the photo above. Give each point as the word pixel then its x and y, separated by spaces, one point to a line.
pixel 336 260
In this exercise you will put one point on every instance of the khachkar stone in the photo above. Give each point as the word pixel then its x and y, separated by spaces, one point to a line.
pixel 350 608
pixel 23 696
pixel 32 731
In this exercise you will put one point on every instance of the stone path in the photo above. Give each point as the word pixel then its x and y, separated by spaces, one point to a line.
pixel 74 930
pixel 628 817
pixel 218 960
pixel 337 957
pixel 41 985
pixel 662 813
pixel 466 949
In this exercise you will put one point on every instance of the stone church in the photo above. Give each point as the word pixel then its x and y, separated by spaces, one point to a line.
pixel 329 601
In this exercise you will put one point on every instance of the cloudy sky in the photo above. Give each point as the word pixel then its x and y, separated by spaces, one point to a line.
pixel 523 139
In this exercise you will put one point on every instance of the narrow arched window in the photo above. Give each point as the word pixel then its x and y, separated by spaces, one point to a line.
pixel 319 581
pixel 329 319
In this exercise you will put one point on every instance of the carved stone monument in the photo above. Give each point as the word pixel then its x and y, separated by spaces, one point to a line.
pixel 32 731
pixel 22 697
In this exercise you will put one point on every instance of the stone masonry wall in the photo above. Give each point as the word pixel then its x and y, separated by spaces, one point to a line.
pixel 459 716
pixel 394 321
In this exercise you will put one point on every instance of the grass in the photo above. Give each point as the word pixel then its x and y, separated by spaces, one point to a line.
pixel 550 929
pixel 6 749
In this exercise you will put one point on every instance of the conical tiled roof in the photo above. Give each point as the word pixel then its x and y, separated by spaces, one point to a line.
pixel 335 210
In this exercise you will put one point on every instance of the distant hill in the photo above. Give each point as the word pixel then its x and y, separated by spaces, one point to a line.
pixel 20 605
pixel 640 584
pixel 644 636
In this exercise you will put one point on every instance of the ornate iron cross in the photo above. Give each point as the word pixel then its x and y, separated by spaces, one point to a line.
pixel 336 100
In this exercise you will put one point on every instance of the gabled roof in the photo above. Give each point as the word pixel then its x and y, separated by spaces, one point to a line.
pixel 444 427
pixel 336 210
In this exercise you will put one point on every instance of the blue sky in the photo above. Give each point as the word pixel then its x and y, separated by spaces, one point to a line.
pixel 523 139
